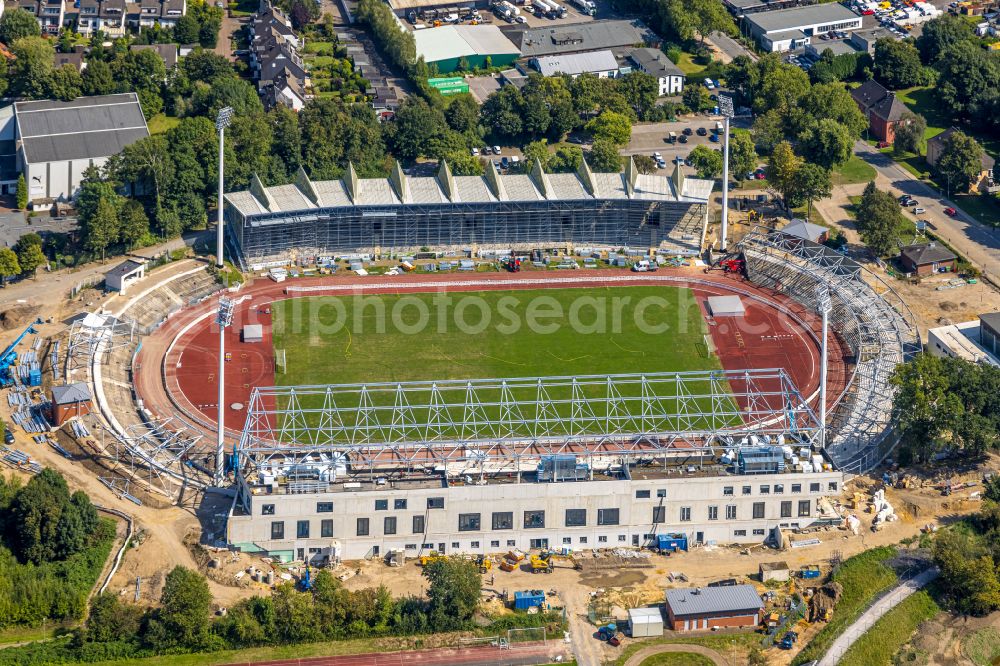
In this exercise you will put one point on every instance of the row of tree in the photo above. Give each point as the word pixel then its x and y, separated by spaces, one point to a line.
pixel 25 257
pixel 946 403
pixel 52 549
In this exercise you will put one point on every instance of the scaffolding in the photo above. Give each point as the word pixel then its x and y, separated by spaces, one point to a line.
pixel 94 337
pixel 874 322
pixel 502 423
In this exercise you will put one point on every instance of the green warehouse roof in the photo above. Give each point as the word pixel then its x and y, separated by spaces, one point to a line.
pixel 451 42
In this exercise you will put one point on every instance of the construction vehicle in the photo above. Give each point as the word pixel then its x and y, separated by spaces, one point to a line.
pixel 485 564
pixel 306 581
pixel 540 564
pixel 511 264
pixel 508 565
pixel 9 356
pixel 433 556
pixel 606 632
pixel 728 265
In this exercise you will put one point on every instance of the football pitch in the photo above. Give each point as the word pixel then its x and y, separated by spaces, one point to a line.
pixel 491 334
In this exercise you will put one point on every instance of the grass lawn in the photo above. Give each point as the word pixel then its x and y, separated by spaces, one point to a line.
pixel 688 65
pixel 493 334
pixel 160 123
pixel 863 576
pixel 724 643
pixel 318 48
pixel 677 659
pixel 982 647
pixel 854 170
pixel 879 645
pixel 25 634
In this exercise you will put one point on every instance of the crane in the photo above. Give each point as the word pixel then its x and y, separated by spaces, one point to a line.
pixel 9 355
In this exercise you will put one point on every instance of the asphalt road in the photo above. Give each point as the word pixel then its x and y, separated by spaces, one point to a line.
pixel 978 242
pixel 730 46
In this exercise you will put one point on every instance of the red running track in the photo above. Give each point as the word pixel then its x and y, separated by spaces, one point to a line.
pixel 523 655
pixel 184 380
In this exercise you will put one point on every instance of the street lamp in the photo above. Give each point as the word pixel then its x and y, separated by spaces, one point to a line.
pixel 224 318
pixel 221 123
pixel 726 109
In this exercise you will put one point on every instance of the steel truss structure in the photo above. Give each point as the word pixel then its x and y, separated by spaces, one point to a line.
pixel 503 422
pixel 875 323
pixel 156 454
pixel 94 337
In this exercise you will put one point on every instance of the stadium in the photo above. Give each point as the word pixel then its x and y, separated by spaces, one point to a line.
pixel 482 411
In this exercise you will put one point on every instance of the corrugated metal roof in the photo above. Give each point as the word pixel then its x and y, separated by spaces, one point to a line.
pixel 467 189
pixel 87 127
pixel 454 41
pixel 593 36
pixel 70 394
pixel 576 63
pixel 801 17
pixel 708 600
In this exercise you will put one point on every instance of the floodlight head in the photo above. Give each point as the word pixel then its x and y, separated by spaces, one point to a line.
pixel 225 315
pixel 823 302
pixel 224 118
pixel 726 106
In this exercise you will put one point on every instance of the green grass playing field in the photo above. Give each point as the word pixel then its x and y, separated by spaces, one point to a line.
pixel 364 339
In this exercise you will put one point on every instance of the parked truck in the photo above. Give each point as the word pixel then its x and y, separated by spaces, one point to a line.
pixel 587 7
pixel 542 7
pixel 514 11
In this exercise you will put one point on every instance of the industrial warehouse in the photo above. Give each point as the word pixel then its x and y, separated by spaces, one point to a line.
pixel 321 219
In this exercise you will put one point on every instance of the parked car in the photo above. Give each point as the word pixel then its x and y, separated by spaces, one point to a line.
pixel 714 138
pixel 701 131
pixel 504 163
pixel 687 131
pixel 496 149
pixel 683 138
pixel 918 211
pixel 761 174
pixel 8 437
pixel 475 152
pixel 950 212
pixel 486 150
pixel 882 144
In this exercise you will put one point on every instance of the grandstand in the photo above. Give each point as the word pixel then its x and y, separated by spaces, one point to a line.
pixel 871 318
pixel 314 220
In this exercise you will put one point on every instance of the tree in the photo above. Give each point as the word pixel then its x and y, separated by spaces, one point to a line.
pixel 462 114
pixel 186 30
pixel 695 97
pixel 938 36
pixel 22 192
pixel 48 523
pixel 828 143
pixel 809 183
pixel 453 591
pixel 604 157
pixel 685 19
pixel 968 573
pixel 65 83
pixel 536 150
pixel 961 161
pixel 97 79
pixel 742 154
pixel 101 229
pixel 30 256
pixel 134 224
pixel 111 620
pixel 782 167
pixel 897 64
pixel 780 88
pixel 925 405
pixel 613 127
pixel 707 162
pixel 567 158
pixel 831 101
pixel 909 133
pixel 185 606
pixel 417 124
pixel 18 23
pixel 640 91
pixel 464 164
pixel 768 131
pixel 501 114
pixel 644 163
pixel 968 79
pixel 878 220
pixel 31 69
pixel 9 265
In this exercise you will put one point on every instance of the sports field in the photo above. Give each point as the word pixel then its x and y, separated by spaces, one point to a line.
pixel 490 334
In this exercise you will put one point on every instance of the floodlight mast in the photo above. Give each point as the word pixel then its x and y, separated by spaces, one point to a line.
pixel 223 319
pixel 221 123
pixel 726 109
pixel 823 303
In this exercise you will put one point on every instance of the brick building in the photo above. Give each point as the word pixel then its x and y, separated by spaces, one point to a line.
pixel 880 106
pixel 696 608
pixel 69 401
pixel 927 259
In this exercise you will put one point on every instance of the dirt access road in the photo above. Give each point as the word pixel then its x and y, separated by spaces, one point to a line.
pixel 522 655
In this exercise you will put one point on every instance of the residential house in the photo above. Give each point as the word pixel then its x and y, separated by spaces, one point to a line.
pixel 983 181
pixel 882 108
pixel 50 13
pixel 274 59
pixel 927 259
pixel 167 52
pixel 75 58
pixel 104 15
pixel 164 13
pixel 655 63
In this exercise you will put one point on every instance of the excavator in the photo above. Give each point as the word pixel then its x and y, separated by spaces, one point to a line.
pixel 730 264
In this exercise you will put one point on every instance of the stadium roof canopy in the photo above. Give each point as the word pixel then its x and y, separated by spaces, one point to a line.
pixel 448 42
pixel 445 188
